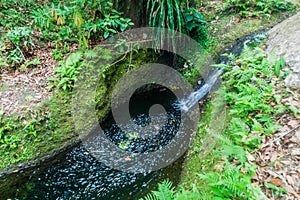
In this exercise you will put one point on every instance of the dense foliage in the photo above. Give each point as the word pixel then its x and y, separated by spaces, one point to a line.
pixel 258 7
pixel 27 24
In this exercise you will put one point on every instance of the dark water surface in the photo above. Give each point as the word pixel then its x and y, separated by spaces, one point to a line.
pixel 78 175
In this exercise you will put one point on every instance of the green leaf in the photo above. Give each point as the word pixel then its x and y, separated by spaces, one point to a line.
pixel 278 65
pixel 74 58
pixel 282 61
pixel 106 34
pixel 189 17
pixel 123 27
pixel 294 110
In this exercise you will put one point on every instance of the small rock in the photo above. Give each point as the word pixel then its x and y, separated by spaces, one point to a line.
pixel 292 80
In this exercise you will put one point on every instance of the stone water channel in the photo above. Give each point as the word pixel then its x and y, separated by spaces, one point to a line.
pixel 78 175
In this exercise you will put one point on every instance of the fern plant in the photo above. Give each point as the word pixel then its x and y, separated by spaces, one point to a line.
pixel 165 192
pixel 250 94
pixel 230 184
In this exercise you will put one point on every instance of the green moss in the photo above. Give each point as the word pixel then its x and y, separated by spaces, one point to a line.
pixel 38 132
pixel 50 127
pixel 195 162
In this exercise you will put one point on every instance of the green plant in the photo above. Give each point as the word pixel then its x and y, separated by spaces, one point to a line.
pixel 165 192
pixel 30 129
pixel 15 13
pixel 57 54
pixel 195 25
pixel 175 15
pixel 68 71
pixel 165 14
pixel 95 60
pixel 258 7
pixel 9 126
pixel 225 173
pixel 124 145
pixel 18 42
pixel 277 190
pixel 79 21
pixel 249 94
pixel 230 184
pixel 279 65
pixel 34 62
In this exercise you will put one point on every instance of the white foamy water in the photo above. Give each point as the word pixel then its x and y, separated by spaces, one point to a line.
pixel 186 104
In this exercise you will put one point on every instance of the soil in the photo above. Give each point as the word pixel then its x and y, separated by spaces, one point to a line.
pixel 21 90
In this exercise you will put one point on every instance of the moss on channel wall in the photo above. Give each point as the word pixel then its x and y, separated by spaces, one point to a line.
pixel 42 132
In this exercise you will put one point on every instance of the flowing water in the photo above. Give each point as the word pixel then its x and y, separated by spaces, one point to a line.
pixel 78 175
pixel 186 104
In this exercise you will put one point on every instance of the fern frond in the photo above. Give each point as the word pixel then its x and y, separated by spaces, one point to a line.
pixel 165 192
pixel 193 195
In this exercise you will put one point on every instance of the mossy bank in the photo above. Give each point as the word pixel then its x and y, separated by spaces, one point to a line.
pixel 42 135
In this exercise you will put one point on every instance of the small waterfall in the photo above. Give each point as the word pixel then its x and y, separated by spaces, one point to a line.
pixel 186 104
pixel 236 49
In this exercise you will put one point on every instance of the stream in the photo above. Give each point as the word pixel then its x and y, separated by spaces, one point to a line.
pixel 78 175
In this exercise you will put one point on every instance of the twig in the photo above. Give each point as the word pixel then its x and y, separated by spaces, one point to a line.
pixel 271 142
pixel 119 59
pixel 281 136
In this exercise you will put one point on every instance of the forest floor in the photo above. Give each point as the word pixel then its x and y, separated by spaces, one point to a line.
pixel 22 90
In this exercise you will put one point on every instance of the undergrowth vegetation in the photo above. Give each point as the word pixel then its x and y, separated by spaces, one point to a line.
pixel 251 97
pixel 257 7
pixel 79 21
pixel 26 25
pixel 252 106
